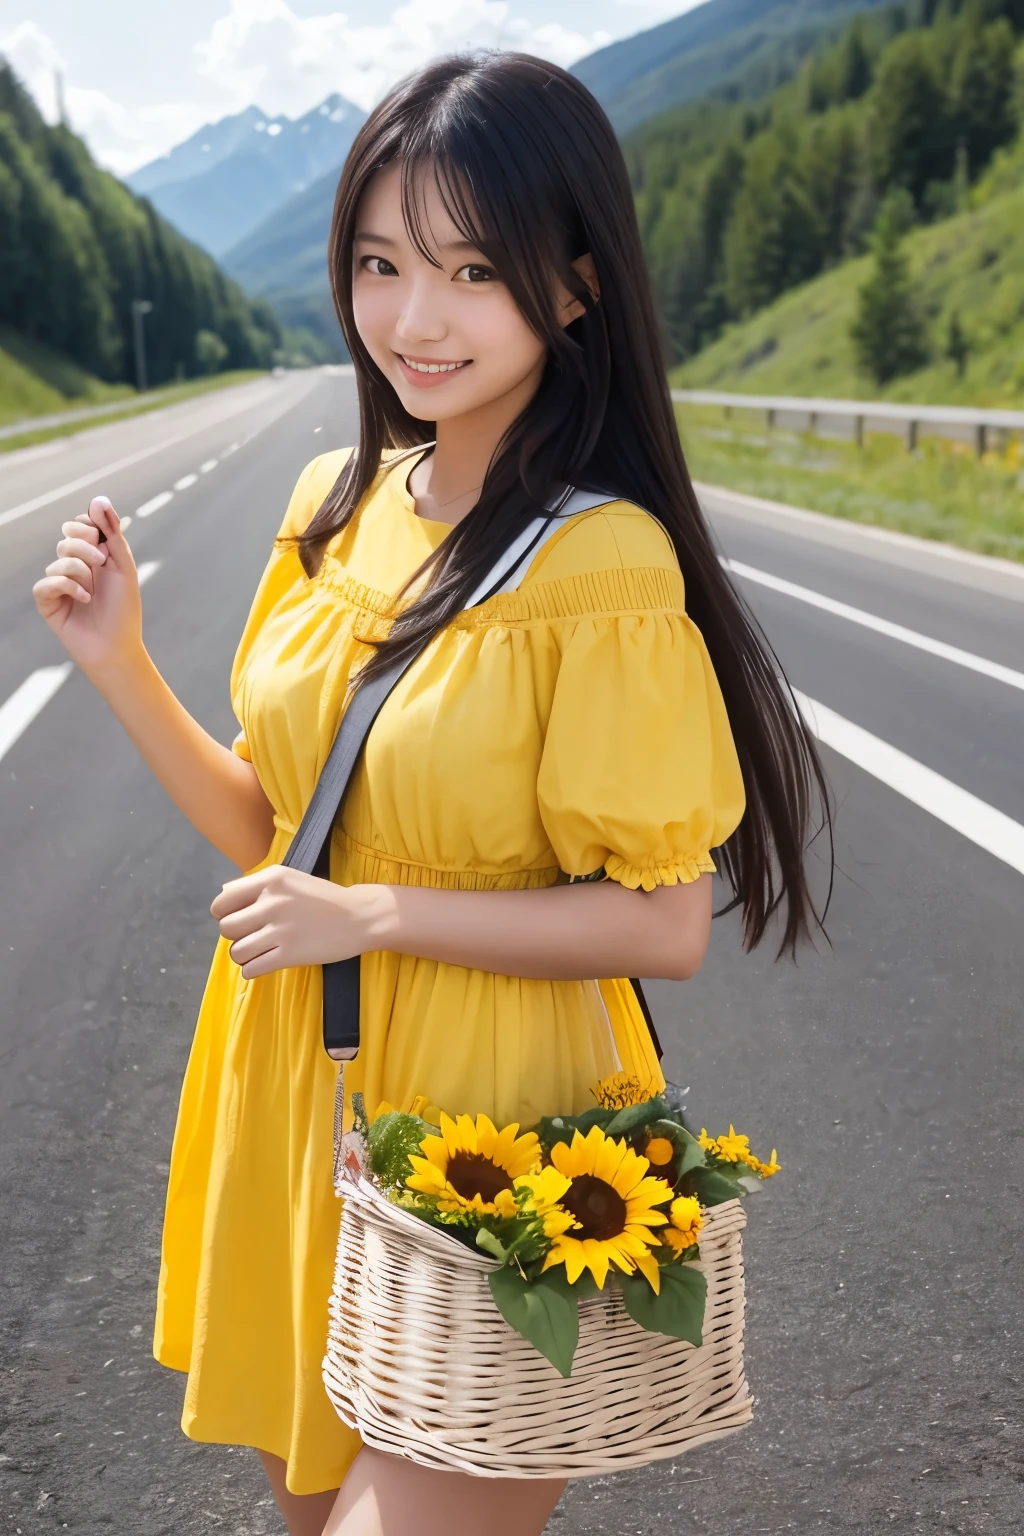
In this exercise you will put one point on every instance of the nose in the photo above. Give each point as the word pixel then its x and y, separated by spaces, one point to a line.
pixel 420 318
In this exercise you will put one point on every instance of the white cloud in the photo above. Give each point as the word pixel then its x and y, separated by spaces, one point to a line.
pixel 120 138
pixel 262 51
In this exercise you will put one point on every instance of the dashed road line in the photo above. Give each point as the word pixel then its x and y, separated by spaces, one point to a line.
pixel 204 469
pixel 185 481
pixel 147 569
pixel 154 504
pixel 974 819
pixel 881 626
pixel 18 712
pixel 91 478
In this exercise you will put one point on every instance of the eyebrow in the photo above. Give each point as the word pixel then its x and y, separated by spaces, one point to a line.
pixel 451 245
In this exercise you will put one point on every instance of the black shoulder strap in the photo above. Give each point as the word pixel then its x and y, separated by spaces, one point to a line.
pixel 310 847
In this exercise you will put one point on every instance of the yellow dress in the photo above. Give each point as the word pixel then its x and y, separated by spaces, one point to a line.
pixel 573 724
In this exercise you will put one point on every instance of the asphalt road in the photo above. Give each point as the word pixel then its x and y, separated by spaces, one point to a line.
pixel 885 1315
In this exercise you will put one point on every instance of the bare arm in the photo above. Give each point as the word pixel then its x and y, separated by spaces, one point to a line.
pixel 279 917
pixel 90 599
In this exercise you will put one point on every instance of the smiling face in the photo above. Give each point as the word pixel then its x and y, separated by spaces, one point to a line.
pixel 449 338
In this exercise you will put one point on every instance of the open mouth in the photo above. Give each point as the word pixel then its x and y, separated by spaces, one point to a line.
pixel 424 366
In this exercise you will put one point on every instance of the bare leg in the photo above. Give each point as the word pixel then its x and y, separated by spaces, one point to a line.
pixel 388 1496
pixel 305 1514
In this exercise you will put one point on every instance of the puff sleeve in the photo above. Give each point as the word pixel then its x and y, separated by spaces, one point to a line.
pixel 639 774
pixel 283 570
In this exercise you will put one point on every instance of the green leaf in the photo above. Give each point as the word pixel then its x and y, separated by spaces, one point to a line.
pixel 714 1187
pixel 693 1152
pixel 491 1244
pixel 391 1140
pixel 677 1311
pixel 544 1311
pixel 636 1115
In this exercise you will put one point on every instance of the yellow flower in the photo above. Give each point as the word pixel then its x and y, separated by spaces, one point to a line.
pixel 472 1167
pixel 686 1220
pixel 661 1155
pixel 734 1148
pixel 546 1190
pixel 614 1205
pixel 621 1091
pixel 419 1105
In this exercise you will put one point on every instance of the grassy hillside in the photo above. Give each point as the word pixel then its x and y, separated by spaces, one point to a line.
pixel 35 381
pixel 77 248
pixel 972 264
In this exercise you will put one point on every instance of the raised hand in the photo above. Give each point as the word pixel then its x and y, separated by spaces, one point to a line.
pixel 89 595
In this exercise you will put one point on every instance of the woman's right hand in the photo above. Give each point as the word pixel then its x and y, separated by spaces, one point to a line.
pixel 90 595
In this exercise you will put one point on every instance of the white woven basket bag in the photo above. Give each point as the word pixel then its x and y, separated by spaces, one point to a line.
pixel 422 1364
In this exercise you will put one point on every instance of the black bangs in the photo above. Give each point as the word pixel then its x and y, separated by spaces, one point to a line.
pixel 528 168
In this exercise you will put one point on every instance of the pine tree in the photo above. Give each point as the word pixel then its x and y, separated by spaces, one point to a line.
pixel 957 345
pixel 888 332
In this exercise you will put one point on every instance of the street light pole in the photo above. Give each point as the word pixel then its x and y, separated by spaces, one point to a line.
pixel 140 307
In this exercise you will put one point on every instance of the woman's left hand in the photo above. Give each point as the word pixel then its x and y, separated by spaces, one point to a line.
pixel 281 917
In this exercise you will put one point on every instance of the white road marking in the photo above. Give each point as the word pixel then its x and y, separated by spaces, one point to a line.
pixel 185 481
pixel 18 712
pixel 92 478
pixel 981 823
pixel 124 523
pixel 232 448
pixel 154 504
pixel 912 637
pixel 204 469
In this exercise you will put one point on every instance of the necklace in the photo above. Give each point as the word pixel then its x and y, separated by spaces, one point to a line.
pixel 459 496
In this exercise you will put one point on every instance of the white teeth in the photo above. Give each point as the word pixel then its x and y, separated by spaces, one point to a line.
pixel 431 367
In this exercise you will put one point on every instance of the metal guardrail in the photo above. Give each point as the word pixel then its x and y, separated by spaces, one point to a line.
pixel 879 415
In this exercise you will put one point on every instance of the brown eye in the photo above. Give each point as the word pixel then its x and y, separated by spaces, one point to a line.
pixel 376 271
pixel 475 273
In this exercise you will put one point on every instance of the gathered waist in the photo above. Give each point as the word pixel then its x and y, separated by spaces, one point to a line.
pixel 352 863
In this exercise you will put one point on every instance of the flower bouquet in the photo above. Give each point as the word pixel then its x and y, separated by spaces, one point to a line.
pixel 562 1302
pixel 616 1197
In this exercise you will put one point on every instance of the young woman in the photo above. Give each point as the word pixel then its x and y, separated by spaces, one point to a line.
pixel 615 716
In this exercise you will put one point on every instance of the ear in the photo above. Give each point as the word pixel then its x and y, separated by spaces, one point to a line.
pixel 571 308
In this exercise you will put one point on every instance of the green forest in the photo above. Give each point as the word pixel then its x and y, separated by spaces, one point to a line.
pixel 76 247
pixel 740 201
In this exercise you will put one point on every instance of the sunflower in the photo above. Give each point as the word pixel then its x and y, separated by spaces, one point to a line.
pixel 472 1166
pixel 545 1190
pixel 685 1221
pixel 614 1206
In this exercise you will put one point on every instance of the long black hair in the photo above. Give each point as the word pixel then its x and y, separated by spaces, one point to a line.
pixel 528 166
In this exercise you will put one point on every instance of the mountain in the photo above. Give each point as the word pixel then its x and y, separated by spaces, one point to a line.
pixel 226 179
pixel 77 248
pixel 284 260
pixel 727 47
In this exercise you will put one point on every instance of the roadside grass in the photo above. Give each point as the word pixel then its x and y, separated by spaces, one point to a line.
pixel 971 265
pixel 135 405
pixel 940 491
pixel 36 381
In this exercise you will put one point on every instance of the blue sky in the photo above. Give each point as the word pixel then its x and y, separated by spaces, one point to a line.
pixel 139 78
